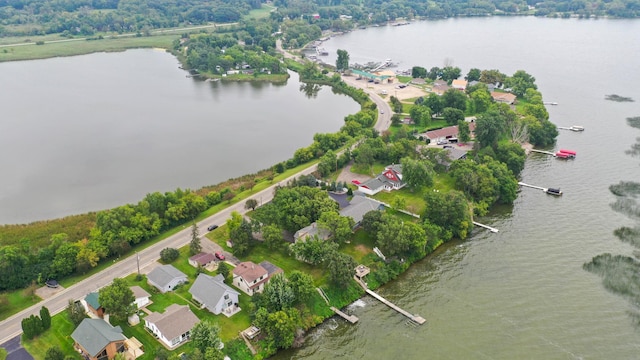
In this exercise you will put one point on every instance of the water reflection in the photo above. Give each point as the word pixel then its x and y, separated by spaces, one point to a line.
pixel 310 90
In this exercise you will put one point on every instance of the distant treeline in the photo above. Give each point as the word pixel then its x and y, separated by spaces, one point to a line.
pixel 85 17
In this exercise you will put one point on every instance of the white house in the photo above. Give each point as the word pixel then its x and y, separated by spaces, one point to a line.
pixel 173 327
pixel 250 277
pixel 166 278
pixel 390 179
pixel 214 294
pixel 141 295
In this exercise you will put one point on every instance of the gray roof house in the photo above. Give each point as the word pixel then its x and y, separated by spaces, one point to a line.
pixel 173 327
pixel 359 206
pixel 97 339
pixel 166 278
pixel 311 231
pixel 390 179
pixel 214 294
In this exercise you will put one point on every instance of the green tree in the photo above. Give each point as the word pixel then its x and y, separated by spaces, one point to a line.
pixel 45 316
pixel 421 115
pixel 75 312
pixel 117 300
pixel 251 204
pixel 464 134
pixel 512 155
pixel 302 285
pixel 450 211
pixel 450 73
pixel 434 103
pixel 520 81
pixel 328 163
pixel 223 269
pixel 313 251
pixel 489 128
pixel 169 255
pixel 341 269
pixel 205 336
pixel 194 245
pixel 339 227
pixel 492 77
pixel 473 75
pixel 54 353
pixel 452 116
pixel 277 294
pixel 242 238
pixel 272 235
pixel 280 327
pixel 481 100
pixel 418 72
pixel 456 99
pixel 416 173
pixel 342 62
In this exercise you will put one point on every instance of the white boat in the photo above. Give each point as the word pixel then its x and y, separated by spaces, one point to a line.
pixel 576 128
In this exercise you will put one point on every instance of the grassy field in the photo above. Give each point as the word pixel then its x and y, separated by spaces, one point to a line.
pixel 3 354
pixel 16 302
pixel 58 335
pixel 261 13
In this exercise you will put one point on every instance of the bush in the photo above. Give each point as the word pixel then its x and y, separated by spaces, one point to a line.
pixel 168 255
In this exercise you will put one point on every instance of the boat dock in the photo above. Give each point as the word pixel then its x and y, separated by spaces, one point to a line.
pixel 576 128
pixel 493 230
pixel 550 191
pixel 350 318
pixel 414 318
pixel 543 152
pixel 532 186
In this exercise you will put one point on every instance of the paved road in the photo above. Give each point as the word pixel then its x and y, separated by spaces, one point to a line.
pixel 11 327
pixel 15 351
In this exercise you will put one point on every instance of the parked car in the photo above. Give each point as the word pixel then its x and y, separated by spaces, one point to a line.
pixel 212 227
pixel 219 255
pixel 52 283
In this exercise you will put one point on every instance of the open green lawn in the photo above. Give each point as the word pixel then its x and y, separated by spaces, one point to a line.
pixel 3 354
pixel 58 335
pixel 261 13
pixel 17 301
pixel 360 246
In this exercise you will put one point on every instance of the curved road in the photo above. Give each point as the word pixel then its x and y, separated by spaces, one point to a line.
pixel 11 327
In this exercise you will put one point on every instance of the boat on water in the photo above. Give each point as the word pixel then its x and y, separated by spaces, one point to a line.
pixel 553 191
pixel 550 103
pixel 576 128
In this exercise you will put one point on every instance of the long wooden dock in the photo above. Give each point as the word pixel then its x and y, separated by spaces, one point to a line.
pixel 544 152
pixel 415 318
pixel 493 230
pixel 350 318
pixel 532 186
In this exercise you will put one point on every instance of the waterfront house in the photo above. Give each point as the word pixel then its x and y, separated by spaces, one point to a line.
pixel 166 278
pixel 173 327
pixel 359 206
pixel 214 295
pixel 390 179
pixel 96 339
pixel 250 277
pixel 502 97
pixel 445 134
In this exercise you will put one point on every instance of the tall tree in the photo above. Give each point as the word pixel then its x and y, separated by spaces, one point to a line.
pixel 278 294
pixel 194 245
pixel 272 235
pixel 339 227
pixel 489 128
pixel 251 204
pixel 416 173
pixel 45 316
pixel 205 336
pixel 302 285
pixel 341 269
pixel 464 134
pixel 117 299
pixel 454 99
pixel 434 103
pixel 342 62
pixel 452 115
pixel 473 75
pixel 76 313
pixel 223 269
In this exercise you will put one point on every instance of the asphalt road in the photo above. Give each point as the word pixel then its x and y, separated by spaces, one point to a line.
pixel 11 327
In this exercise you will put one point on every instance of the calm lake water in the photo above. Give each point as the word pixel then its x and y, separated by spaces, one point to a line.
pixel 97 131
pixel 520 293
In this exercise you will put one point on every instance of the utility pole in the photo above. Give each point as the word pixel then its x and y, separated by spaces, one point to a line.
pixel 138 261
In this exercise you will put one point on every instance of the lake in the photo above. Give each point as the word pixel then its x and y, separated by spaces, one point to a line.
pixel 520 293
pixel 97 131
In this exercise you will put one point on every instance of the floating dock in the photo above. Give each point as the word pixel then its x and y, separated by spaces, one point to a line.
pixel 550 191
pixel 350 318
pixel 493 230
pixel 576 128
pixel 543 152
pixel 414 318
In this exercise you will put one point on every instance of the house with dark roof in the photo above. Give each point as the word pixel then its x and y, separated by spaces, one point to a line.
pixel 250 277
pixel 96 339
pixel 91 303
pixel 359 206
pixel 202 259
pixel 271 268
pixel 446 133
pixel 166 278
pixel 390 179
pixel 440 87
pixel 310 232
pixel 142 297
pixel 214 295
pixel 173 327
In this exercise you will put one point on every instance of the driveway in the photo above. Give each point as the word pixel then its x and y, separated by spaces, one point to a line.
pixel 347 176
pixel 15 351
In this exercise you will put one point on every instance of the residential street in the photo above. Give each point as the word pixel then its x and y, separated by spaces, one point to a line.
pixel 11 327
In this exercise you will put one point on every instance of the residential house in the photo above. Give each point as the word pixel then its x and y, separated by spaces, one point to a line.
pixel 453 154
pixel 250 277
pixel 96 339
pixel 444 134
pixel 141 295
pixel 502 97
pixel 92 305
pixel 271 268
pixel 166 278
pixel 214 295
pixel 311 231
pixel 459 84
pixel 390 179
pixel 359 206
pixel 202 259
pixel 173 327
pixel 439 87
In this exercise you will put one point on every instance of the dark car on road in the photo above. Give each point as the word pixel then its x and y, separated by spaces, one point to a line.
pixel 212 227
pixel 52 283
